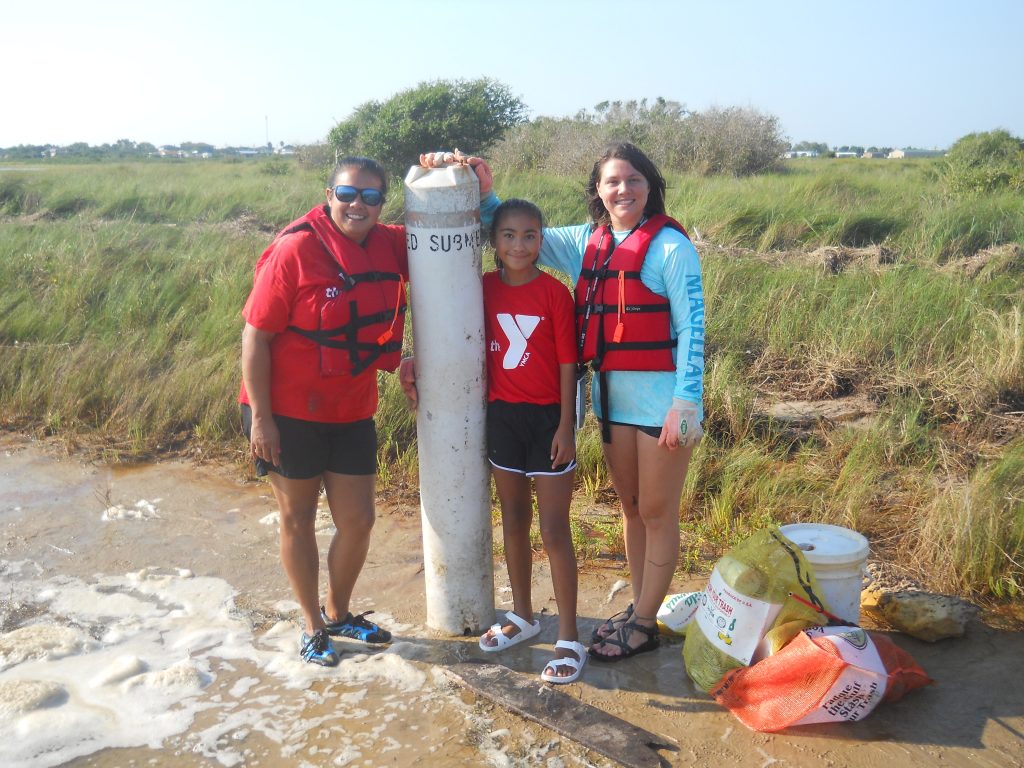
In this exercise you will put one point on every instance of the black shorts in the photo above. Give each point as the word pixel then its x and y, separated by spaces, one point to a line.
pixel 654 432
pixel 310 448
pixel 519 438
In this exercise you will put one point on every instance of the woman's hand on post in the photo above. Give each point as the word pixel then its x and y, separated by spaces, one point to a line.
pixel 407 380
pixel 682 425
pixel 483 174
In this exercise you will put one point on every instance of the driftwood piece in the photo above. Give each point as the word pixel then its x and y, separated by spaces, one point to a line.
pixel 589 726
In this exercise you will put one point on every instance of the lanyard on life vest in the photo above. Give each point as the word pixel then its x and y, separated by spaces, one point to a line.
pixel 620 309
pixel 385 337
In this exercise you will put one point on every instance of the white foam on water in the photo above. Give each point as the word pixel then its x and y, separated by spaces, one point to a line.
pixel 20 568
pixel 617 587
pixel 273 518
pixel 141 510
pixel 134 660
pixel 44 642
pixel 243 686
pixel 20 697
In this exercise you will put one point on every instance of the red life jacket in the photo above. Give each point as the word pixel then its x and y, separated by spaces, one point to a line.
pixel 621 324
pixel 362 317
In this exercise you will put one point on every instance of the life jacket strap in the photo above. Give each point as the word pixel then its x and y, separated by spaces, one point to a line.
pixel 632 346
pixel 603 274
pixel 345 336
pixel 607 309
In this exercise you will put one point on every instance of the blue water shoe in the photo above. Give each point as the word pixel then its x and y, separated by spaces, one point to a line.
pixel 356 627
pixel 318 649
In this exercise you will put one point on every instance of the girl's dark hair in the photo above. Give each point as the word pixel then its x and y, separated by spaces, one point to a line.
pixel 363 164
pixel 513 205
pixel 632 155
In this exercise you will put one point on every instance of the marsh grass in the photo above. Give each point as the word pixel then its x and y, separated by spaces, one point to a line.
pixel 813 204
pixel 972 533
pixel 122 287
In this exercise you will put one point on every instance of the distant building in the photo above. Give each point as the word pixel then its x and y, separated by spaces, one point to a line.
pixel 900 154
pixel 287 149
pixel 846 154
pixel 801 153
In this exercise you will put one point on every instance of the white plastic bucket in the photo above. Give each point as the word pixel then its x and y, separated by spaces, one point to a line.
pixel 838 556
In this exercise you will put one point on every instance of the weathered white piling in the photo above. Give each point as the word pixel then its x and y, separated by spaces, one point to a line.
pixel 442 219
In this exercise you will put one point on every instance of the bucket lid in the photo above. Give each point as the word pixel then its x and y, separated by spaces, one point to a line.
pixel 823 544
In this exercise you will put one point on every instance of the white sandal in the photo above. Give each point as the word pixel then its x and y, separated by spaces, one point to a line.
pixel 526 631
pixel 576 665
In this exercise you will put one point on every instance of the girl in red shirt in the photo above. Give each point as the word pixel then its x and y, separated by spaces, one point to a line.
pixel 531 392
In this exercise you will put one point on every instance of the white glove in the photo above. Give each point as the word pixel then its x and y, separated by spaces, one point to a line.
pixel 682 425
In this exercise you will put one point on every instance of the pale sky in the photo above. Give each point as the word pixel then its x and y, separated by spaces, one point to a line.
pixel 886 73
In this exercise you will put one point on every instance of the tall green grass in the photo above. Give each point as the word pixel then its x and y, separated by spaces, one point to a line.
pixel 954 341
pixel 896 203
pixel 121 288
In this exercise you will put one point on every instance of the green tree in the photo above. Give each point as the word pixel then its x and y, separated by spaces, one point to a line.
pixel 26 151
pixel 471 115
pixel 812 146
pixel 738 141
pixel 981 162
pixel 197 147
pixel 79 149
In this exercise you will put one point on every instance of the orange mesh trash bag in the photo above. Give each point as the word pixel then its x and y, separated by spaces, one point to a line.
pixel 823 675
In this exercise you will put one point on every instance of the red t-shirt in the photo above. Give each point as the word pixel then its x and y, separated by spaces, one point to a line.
pixel 287 290
pixel 530 331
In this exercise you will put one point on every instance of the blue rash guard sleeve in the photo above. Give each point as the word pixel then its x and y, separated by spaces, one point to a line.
pixel 563 249
pixel 672 270
pixel 488 206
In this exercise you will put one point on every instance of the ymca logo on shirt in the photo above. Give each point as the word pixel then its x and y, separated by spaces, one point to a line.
pixel 517 330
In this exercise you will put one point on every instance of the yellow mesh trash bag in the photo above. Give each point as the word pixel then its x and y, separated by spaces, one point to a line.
pixel 760 595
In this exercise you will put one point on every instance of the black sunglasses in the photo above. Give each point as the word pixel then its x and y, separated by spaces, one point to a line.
pixel 346 194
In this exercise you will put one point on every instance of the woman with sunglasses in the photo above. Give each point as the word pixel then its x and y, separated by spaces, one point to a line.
pixel 326 312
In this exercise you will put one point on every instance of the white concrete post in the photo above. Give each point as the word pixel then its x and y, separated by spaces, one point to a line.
pixel 442 220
